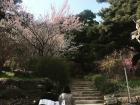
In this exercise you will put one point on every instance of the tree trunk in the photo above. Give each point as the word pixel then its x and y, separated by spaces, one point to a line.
pixel 41 52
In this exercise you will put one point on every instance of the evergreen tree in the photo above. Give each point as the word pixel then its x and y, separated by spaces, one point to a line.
pixel 85 41
pixel 138 11
pixel 118 22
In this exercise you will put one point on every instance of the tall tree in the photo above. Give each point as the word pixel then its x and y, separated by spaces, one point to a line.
pixel 48 36
pixel 7 21
pixel 138 10
pixel 118 22
pixel 84 41
pixel 87 16
pixel 7 7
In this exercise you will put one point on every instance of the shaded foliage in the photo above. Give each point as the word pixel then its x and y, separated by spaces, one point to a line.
pixel 105 85
pixel 112 34
pixel 55 69
pixel 87 16
pixel 84 41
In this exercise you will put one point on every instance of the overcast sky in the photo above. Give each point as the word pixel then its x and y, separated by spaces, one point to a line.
pixel 41 7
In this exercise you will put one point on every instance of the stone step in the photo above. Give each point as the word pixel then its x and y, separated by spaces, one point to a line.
pixel 85 90
pixel 87 95
pixel 81 82
pixel 77 81
pixel 89 87
pixel 80 85
pixel 91 104
pixel 89 98
pixel 88 101
pixel 83 87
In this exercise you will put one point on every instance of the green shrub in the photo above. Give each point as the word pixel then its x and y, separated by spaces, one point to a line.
pixel 23 74
pixel 105 85
pixel 111 87
pixel 99 81
pixel 30 64
pixel 55 69
pixel 21 88
pixel 7 74
pixel 89 77
pixel 134 83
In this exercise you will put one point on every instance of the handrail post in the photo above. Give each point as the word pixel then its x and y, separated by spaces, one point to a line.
pixel 128 89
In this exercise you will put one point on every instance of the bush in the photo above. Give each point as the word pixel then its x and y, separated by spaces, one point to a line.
pixel 23 74
pixel 105 85
pixel 113 64
pixel 134 83
pixel 6 74
pixel 55 69
pixel 99 81
pixel 111 87
pixel 89 77
pixel 21 88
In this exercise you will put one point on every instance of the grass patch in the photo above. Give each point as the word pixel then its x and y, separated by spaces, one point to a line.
pixel 108 86
pixel 132 83
pixel 6 74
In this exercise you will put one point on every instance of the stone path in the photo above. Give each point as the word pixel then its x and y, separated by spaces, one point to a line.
pixel 84 94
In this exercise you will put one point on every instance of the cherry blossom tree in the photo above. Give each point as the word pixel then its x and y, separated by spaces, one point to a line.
pixel 26 37
pixel 7 20
pixel 47 37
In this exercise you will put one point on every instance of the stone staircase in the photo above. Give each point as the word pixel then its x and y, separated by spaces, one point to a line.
pixel 84 94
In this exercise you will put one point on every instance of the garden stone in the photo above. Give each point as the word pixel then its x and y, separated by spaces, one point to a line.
pixel 110 100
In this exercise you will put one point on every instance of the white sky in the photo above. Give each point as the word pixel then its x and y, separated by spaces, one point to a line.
pixel 42 7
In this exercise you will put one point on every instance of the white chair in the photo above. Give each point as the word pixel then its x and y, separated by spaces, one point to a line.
pixel 56 103
pixel 46 102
